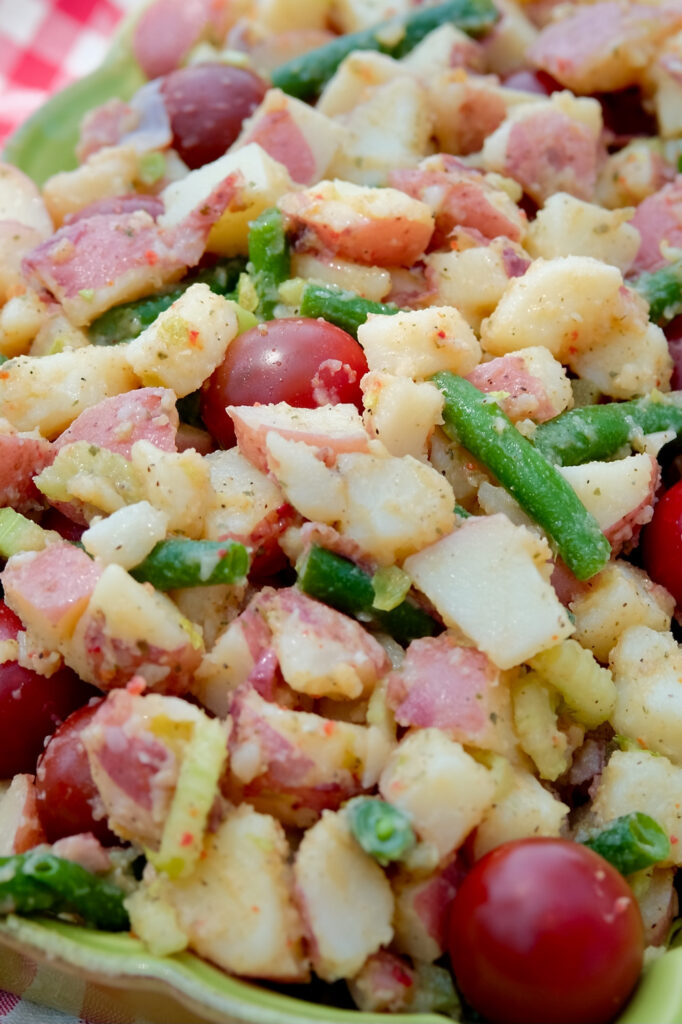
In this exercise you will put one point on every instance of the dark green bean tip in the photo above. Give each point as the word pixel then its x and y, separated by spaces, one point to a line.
pixel 662 289
pixel 343 585
pixel 269 259
pixel 40 882
pixel 631 843
pixel 382 830
pixel 474 420
pixel 341 307
pixel 180 562
pixel 593 433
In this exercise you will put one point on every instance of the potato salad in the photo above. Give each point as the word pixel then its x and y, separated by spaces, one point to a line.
pixel 341 503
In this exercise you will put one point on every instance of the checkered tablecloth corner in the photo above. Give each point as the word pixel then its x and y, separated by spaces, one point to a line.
pixel 44 45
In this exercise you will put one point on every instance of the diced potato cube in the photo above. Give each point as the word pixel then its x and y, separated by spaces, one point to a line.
pixel 127 535
pixel 390 129
pixel 243 495
pixel 259 182
pixel 347 900
pixel 20 200
pixel 647 669
pixel 632 360
pixel 621 595
pixel 420 343
pixel 310 486
pixel 176 483
pixel 394 506
pixel 372 283
pixel 237 908
pixel 471 280
pixel 490 579
pixel 47 394
pixel 186 342
pixel 526 809
pixel 567 226
pixel 338 428
pixel 428 772
pixel 401 413
pixel 640 781
pixel 566 304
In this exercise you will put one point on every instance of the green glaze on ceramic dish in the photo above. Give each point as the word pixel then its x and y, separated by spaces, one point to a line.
pixel 46 143
pixel 120 959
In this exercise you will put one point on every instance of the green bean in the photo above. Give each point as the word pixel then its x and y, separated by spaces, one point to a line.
pixel 269 260
pixel 596 432
pixel 304 76
pixel 343 585
pixel 662 289
pixel 125 322
pixel 344 308
pixel 631 843
pixel 382 830
pixel 38 882
pixel 477 422
pixel 180 562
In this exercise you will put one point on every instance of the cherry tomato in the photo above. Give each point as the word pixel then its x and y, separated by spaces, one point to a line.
pixel 66 795
pixel 207 104
pixel 661 542
pixel 300 361
pixel 545 931
pixel 10 624
pixel 31 708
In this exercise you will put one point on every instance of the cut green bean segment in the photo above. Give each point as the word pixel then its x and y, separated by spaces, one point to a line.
pixel 125 322
pixel 662 289
pixel 596 432
pixel 180 562
pixel 343 308
pixel 343 585
pixel 382 830
pixel 38 882
pixel 475 421
pixel 304 76
pixel 269 260
pixel 631 843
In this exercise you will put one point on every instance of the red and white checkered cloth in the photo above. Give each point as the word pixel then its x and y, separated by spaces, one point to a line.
pixel 44 45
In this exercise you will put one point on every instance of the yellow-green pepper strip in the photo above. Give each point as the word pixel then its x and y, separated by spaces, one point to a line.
pixel 477 422
pixel 304 76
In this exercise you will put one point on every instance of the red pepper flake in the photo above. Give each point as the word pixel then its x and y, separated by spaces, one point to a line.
pixel 151 257
pixel 187 839
pixel 4 374
pixel 674 840
pixel 329 728
pixel 441 334
pixel 193 336
pixel 136 686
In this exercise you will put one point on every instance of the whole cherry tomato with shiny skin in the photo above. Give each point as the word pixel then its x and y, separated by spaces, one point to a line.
pixel 301 361
pixel 545 931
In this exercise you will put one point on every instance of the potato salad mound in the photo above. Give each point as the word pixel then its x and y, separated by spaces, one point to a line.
pixel 340 503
